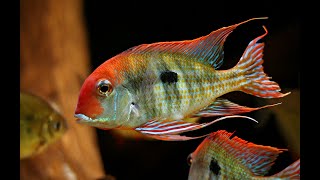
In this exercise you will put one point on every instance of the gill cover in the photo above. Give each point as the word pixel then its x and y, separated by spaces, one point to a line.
pixel 117 108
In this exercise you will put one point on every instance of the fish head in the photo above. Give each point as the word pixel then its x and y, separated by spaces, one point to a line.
pixel 200 163
pixel 103 101
pixel 55 126
pixel 199 168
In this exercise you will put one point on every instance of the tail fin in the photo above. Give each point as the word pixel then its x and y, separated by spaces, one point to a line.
pixel 291 172
pixel 251 64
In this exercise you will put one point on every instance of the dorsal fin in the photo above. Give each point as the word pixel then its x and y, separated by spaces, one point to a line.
pixel 257 158
pixel 206 49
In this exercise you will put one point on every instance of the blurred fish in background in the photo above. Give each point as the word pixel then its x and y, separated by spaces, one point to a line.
pixel 40 125
pixel 287 117
pixel 221 156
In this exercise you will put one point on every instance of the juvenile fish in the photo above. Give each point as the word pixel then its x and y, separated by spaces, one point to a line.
pixel 40 125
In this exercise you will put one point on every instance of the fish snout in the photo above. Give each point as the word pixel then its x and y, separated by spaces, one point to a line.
pixel 87 109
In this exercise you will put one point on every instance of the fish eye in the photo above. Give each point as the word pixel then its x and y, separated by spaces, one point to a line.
pixel 104 87
pixel 189 159
pixel 56 126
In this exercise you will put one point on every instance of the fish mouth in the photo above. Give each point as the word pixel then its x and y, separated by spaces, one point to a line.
pixel 83 118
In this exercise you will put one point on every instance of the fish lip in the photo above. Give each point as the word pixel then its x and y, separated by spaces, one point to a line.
pixel 82 117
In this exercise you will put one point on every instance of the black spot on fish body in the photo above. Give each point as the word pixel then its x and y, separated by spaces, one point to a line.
pixel 169 77
pixel 214 167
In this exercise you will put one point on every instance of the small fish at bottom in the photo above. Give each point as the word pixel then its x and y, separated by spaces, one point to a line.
pixel 221 157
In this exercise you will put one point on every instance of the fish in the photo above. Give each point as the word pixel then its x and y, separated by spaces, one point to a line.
pixel 153 88
pixel 40 125
pixel 220 156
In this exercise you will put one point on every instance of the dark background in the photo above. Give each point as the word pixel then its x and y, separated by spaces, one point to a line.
pixel 115 27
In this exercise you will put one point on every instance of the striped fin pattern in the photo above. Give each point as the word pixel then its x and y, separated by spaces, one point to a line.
pixel 257 158
pixel 206 49
pixel 167 127
pixel 168 130
pixel 251 64
pixel 224 107
pixel 291 172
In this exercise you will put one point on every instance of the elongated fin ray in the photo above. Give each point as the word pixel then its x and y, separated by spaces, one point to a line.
pixel 168 130
pixel 174 137
pixel 206 49
pixel 224 107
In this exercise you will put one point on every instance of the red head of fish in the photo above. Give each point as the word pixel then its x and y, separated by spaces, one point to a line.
pixel 94 91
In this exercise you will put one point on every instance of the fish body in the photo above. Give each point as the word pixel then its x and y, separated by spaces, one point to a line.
pixel 40 125
pixel 153 88
pixel 221 157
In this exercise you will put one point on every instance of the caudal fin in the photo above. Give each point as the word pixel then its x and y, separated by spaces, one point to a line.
pixel 251 64
pixel 291 172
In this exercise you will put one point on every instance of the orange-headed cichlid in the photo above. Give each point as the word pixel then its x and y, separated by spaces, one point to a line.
pixel 153 88
pixel 221 157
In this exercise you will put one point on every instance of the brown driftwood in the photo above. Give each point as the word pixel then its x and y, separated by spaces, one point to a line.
pixel 54 61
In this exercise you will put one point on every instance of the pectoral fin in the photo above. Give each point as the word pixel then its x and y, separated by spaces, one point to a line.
pixel 224 107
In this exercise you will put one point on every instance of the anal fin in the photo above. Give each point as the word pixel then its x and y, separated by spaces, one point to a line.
pixel 174 137
pixel 169 130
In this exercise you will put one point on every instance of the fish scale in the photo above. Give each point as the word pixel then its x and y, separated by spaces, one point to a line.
pixel 197 83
